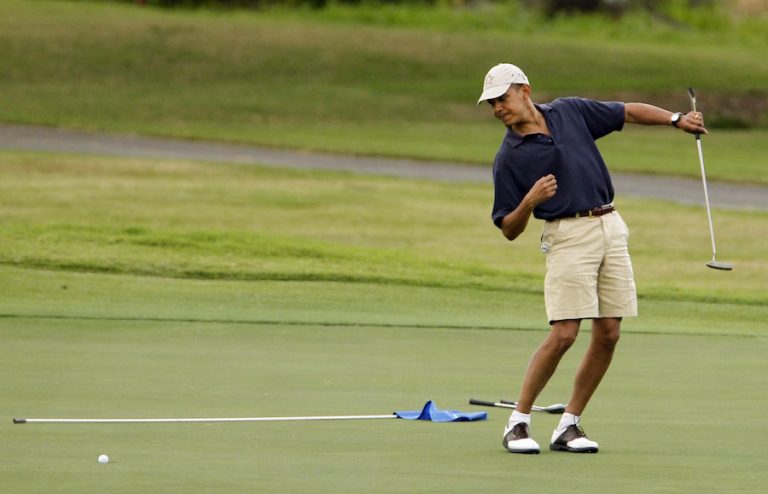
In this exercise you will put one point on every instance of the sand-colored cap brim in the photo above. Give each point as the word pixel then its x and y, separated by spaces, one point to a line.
pixel 493 92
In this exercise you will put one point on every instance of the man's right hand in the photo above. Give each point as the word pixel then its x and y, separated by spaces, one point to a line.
pixel 542 190
pixel 515 222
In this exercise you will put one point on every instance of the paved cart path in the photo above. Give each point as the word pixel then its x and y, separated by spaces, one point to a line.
pixel 33 138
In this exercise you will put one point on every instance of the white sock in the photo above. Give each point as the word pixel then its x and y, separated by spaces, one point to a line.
pixel 566 420
pixel 518 417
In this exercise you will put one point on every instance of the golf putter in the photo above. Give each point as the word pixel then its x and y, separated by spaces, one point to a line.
pixel 714 263
pixel 556 408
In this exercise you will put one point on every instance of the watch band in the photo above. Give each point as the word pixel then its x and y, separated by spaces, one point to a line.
pixel 675 120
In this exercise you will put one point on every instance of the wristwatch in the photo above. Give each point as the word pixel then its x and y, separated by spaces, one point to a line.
pixel 675 119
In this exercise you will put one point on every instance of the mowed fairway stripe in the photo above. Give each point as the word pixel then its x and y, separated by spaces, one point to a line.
pixel 344 324
pixel 259 322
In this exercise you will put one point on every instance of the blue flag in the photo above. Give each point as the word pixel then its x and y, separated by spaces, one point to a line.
pixel 433 414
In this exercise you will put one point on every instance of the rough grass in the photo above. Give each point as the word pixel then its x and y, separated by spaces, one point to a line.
pixel 216 221
pixel 288 80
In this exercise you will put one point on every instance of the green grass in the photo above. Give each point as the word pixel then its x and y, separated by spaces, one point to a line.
pixel 216 221
pixel 102 345
pixel 284 79
pixel 729 155
pixel 160 288
pixel 167 288
pixel 71 295
pixel 717 22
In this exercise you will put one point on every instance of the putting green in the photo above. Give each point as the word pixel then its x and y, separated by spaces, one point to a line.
pixel 678 412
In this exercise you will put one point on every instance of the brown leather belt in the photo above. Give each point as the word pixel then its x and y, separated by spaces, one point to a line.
pixel 598 211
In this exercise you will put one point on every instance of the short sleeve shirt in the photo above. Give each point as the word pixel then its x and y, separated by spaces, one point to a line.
pixel 569 153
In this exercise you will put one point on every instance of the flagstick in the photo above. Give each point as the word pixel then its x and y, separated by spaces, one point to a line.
pixel 196 420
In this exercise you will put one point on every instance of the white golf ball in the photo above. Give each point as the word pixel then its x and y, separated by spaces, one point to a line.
pixel 103 459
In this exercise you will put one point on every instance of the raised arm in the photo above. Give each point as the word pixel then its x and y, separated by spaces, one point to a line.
pixel 645 114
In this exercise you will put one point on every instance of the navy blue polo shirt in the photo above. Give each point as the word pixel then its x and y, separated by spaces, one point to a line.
pixel 569 153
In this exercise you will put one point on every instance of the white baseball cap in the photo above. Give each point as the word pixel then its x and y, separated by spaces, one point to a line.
pixel 498 80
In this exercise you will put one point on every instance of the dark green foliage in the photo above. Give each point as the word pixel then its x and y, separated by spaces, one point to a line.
pixel 255 4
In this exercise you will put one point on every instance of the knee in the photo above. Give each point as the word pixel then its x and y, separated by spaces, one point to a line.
pixel 610 339
pixel 561 339
pixel 607 335
pixel 565 341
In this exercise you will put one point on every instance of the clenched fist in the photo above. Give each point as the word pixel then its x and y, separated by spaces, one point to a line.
pixel 543 190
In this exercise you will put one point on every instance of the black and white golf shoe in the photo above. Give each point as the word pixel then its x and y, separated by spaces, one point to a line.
pixel 573 439
pixel 517 439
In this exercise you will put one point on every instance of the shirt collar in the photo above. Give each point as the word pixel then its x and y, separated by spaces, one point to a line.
pixel 515 139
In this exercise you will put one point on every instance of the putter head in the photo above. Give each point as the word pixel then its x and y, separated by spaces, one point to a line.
pixel 557 409
pixel 723 266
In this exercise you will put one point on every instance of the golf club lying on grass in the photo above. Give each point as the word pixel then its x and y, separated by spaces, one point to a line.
pixel 556 408
pixel 429 412
pixel 714 264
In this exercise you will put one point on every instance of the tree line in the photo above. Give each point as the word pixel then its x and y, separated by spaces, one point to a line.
pixel 550 7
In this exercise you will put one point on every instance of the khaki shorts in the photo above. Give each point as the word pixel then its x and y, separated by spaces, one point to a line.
pixel 589 272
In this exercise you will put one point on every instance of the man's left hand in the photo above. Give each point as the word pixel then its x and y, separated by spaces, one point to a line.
pixel 693 123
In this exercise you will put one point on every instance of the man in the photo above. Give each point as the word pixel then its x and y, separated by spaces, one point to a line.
pixel 548 165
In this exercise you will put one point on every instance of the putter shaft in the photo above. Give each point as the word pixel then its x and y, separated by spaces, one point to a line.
pixel 713 263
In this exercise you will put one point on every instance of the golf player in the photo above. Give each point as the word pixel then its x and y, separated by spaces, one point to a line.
pixel 549 166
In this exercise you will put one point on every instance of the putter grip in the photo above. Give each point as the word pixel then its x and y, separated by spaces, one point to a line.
pixel 19 421
pixel 473 401
pixel 692 97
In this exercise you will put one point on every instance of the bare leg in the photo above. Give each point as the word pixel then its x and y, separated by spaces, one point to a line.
pixel 605 336
pixel 544 361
